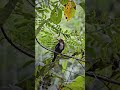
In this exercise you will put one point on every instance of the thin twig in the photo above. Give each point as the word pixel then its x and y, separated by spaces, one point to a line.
pixel 102 78
pixel 31 3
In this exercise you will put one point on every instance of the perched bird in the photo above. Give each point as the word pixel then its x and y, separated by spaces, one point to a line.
pixel 58 48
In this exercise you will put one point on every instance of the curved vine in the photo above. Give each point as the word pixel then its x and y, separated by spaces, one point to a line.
pixel 16 47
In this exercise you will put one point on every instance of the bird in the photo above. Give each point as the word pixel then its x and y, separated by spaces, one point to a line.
pixel 58 48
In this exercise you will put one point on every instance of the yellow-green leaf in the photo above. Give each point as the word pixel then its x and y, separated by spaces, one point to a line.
pixel 69 10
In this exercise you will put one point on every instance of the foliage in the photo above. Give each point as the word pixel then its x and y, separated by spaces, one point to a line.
pixel 50 26
pixel 69 10
pixel 102 44
pixel 67 72
pixel 16 39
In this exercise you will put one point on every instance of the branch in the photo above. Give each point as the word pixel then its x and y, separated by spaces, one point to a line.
pixel 57 52
pixel 16 47
pixel 102 78
pixel 31 4
pixel 100 29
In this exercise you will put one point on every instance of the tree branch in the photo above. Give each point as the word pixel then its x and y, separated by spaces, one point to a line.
pixel 102 78
pixel 16 47
pixel 57 52
pixel 100 29
pixel 31 4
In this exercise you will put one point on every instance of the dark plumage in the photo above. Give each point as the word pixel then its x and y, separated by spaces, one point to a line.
pixel 58 48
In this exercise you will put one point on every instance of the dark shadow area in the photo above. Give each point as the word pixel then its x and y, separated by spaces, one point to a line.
pixel 17 45
pixel 102 45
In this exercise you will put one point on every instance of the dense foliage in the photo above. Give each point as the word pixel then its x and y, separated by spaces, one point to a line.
pixel 51 24
pixel 19 42
pixel 17 45
pixel 102 45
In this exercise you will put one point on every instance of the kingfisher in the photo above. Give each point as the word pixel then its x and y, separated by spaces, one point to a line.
pixel 58 48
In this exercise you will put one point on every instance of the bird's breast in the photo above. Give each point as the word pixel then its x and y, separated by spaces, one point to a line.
pixel 61 46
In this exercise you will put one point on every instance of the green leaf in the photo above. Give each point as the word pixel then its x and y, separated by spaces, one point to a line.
pixel 7 10
pixel 107 71
pixel 82 4
pixel 63 2
pixel 64 66
pixel 77 84
pixel 56 15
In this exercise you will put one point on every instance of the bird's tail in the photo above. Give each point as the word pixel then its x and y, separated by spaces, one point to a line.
pixel 55 55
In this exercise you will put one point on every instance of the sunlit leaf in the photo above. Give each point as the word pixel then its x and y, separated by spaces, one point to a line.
pixel 77 84
pixel 69 10
pixel 63 2
pixel 56 15
pixel 64 66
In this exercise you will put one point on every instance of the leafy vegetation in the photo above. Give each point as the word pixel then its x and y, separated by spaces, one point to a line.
pixel 17 44
pixel 102 45
pixel 101 42
pixel 51 24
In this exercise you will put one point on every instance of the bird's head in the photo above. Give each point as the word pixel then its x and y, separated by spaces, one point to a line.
pixel 60 41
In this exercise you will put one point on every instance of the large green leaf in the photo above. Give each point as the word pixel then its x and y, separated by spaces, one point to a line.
pixel 56 15
pixel 77 84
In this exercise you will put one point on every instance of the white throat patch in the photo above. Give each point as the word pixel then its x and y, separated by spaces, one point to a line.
pixel 61 46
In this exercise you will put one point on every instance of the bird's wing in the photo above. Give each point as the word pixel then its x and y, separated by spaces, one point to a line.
pixel 57 46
